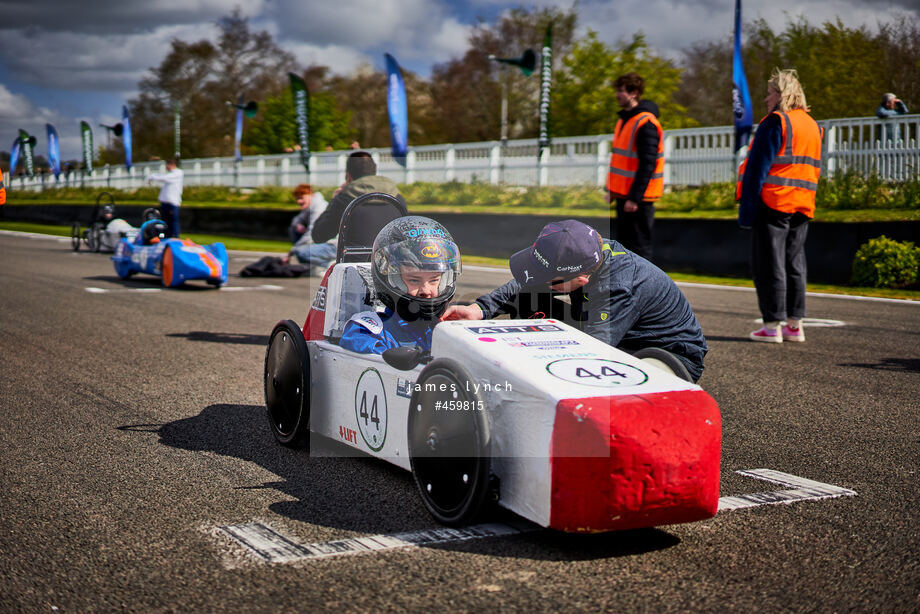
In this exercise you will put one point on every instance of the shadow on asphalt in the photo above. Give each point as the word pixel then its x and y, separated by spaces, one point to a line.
pixel 335 488
pixel 902 365
pixel 241 338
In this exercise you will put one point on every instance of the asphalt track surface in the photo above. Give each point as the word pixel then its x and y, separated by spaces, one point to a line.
pixel 133 427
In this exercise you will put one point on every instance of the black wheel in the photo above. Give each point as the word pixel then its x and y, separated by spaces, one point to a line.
pixel 449 443
pixel 664 360
pixel 75 236
pixel 287 384
pixel 94 237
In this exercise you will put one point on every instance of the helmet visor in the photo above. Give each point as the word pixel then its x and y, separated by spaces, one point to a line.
pixel 428 254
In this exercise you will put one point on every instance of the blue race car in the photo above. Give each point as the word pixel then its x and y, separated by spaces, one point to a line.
pixel 175 260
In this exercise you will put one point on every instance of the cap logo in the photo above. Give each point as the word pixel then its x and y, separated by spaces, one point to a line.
pixel 543 261
pixel 527 276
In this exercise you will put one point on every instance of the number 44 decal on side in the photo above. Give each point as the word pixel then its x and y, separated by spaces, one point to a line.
pixel 371 409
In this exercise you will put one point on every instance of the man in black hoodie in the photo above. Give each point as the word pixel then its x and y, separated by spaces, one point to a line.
pixel 636 177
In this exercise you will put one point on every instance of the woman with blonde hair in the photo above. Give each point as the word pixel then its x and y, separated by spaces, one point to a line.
pixel 776 189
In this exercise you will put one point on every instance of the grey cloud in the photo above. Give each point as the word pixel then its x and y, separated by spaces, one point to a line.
pixel 113 16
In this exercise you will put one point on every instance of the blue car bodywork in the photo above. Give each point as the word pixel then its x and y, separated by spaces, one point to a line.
pixel 174 260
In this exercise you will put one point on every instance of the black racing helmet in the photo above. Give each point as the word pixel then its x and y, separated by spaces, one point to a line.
pixel 153 231
pixel 107 213
pixel 414 243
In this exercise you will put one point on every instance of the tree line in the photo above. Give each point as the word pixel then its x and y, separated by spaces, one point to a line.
pixel 844 71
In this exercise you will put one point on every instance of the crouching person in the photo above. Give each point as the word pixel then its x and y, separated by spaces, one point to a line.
pixel 614 295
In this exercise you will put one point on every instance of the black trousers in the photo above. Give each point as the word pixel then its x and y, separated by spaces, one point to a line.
pixel 634 230
pixel 778 263
pixel 170 213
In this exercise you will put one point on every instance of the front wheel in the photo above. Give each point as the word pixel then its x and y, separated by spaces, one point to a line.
pixel 449 443
pixel 287 384
pixel 75 236
pixel 664 360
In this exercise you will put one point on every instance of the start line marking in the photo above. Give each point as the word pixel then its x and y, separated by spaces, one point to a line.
pixel 272 547
pixel 802 490
pixel 93 290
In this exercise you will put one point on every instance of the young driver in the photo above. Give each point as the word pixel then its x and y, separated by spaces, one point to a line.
pixel 415 265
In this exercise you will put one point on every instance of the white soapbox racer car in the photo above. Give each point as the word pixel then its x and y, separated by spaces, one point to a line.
pixel 532 415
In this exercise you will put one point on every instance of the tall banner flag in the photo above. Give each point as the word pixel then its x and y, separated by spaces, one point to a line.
pixel 86 134
pixel 27 143
pixel 741 96
pixel 126 135
pixel 398 111
pixel 54 150
pixel 14 157
pixel 546 80
pixel 177 125
pixel 302 116
pixel 238 135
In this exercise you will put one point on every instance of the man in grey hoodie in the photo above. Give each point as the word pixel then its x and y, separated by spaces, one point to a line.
pixel 360 178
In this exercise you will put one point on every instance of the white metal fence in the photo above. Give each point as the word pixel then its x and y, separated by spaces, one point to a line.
pixel 695 156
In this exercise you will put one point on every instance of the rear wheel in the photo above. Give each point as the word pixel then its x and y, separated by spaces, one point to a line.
pixel 287 384
pixel 664 360
pixel 449 443
pixel 75 236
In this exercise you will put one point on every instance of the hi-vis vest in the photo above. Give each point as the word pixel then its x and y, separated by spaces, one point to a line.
pixel 792 181
pixel 2 189
pixel 624 161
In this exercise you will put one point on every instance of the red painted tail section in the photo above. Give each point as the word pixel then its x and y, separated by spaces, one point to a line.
pixel 316 317
pixel 626 462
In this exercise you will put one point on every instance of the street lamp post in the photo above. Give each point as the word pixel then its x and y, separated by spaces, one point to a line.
pixel 527 62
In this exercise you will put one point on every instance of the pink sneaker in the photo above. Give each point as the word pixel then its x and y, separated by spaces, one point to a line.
pixel 793 334
pixel 767 335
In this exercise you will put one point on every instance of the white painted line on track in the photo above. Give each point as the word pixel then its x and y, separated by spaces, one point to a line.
pixel 273 547
pixel 268 287
pixel 803 490
pixel 249 288
pixel 92 290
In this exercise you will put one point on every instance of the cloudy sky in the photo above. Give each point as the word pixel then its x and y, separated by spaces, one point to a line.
pixel 63 61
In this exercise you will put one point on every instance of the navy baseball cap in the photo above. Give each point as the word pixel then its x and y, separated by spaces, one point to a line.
pixel 563 250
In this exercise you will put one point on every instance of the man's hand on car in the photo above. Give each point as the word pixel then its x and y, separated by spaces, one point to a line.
pixel 463 312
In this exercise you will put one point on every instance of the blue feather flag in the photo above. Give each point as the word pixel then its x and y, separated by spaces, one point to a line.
pixel 14 157
pixel 126 135
pixel 397 108
pixel 741 96
pixel 54 150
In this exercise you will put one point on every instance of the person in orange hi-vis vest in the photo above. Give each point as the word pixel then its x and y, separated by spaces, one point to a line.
pixel 2 189
pixel 636 176
pixel 777 184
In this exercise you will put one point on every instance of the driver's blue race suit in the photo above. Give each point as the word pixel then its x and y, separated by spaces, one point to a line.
pixel 370 332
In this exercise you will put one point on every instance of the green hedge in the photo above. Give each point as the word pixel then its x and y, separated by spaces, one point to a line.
pixel 885 263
